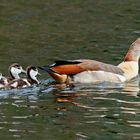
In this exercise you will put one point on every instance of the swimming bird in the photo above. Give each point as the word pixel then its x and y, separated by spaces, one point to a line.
pixel 14 70
pixel 3 81
pixel 31 79
pixel 91 71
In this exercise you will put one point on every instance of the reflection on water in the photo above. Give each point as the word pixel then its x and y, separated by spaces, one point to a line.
pixel 97 111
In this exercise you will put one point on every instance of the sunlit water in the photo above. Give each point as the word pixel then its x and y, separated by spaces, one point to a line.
pixel 38 32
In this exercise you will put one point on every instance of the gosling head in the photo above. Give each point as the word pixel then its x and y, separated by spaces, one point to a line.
pixel 15 69
pixel 32 72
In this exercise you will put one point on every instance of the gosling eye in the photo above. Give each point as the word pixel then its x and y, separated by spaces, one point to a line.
pixel 34 68
pixel 19 68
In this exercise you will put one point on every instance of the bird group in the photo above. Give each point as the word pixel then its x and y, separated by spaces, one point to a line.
pixel 78 71
pixel 15 81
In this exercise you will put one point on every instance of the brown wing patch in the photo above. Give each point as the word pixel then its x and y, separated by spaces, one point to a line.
pixel 21 83
pixel 9 79
pixel 67 69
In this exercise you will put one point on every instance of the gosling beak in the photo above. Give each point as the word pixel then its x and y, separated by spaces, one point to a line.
pixel 39 73
pixel 23 71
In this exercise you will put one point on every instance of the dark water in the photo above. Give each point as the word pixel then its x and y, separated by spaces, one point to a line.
pixel 40 31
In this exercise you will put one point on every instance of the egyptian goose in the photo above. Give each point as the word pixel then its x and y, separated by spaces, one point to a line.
pixel 31 79
pixel 91 71
pixel 14 70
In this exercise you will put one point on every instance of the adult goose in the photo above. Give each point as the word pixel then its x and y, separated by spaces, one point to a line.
pixel 91 71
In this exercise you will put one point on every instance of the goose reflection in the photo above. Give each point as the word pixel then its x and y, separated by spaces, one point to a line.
pixel 132 87
pixel 69 94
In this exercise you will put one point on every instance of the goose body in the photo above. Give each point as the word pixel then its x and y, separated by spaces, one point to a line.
pixel 97 76
pixel 31 79
pixel 91 71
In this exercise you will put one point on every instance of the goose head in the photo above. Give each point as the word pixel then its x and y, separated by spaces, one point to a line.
pixel 133 53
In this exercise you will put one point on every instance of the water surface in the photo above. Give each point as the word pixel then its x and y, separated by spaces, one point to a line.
pixel 39 32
